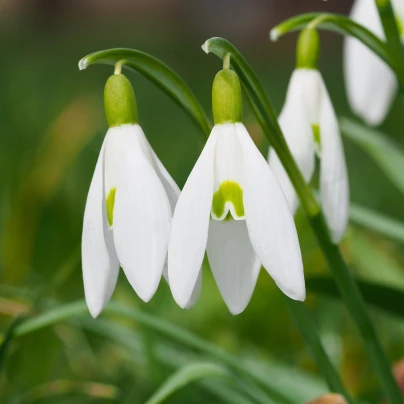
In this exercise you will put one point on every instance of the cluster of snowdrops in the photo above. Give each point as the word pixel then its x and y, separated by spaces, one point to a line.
pixel 236 205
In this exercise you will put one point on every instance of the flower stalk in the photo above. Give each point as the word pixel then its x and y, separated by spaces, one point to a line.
pixel 346 283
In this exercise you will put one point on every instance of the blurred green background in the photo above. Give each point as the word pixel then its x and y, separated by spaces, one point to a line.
pixel 51 128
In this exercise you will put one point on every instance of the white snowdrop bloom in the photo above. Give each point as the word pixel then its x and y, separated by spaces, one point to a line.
pixel 129 206
pixel 232 206
pixel 370 83
pixel 310 127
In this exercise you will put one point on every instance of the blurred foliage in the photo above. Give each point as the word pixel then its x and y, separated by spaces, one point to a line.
pixel 52 126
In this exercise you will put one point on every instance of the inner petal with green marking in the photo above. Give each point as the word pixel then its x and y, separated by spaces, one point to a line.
pixel 227 202
pixel 317 137
pixel 110 202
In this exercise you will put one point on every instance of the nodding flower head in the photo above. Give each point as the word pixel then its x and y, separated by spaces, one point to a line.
pixel 129 206
pixel 310 127
pixel 233 207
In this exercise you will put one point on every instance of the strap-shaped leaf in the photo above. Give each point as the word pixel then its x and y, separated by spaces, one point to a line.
pixel 383 297
pixel 377 222
pixel 386 153
pixel 341 24
pixel 158 73
pixel 182 377
pixel 182 336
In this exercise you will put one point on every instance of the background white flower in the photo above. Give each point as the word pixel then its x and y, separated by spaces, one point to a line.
pixel 310 126
pixel 370 83
pixel 232 205
pixel 129 206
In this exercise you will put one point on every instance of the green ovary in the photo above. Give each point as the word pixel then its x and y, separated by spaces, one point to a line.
pixel 317 135
pixel 229 192
pixel 110 206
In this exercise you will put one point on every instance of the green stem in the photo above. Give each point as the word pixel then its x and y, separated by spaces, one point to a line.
pixel 345 26
pixel 352 297
pixel 391 30
pixel 309 333
pixel 356 306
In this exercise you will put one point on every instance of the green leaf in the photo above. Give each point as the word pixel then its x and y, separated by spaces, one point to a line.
pixel 157 72
pixel 377 222
pixel 337 23
pixel 177 334
pixel 184 376
pixel 368 255
pixel 387 154
pixel 384 297
pixel 175 357
pixel 309 332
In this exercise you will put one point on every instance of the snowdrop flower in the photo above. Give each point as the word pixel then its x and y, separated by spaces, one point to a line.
pixel 310 127
pixel 232 206
pixel 129 206
pixel 370 83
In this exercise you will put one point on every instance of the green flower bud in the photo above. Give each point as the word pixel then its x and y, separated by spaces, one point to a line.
pixel 119 101
pixel 308 48
pixel 227 103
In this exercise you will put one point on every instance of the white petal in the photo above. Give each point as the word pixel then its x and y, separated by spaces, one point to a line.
pixel 370 83
pixel 99 260
pixel 269 221
pixel 228 164
pixel 190 223
pixel 196 292
pixel 334 187
pixel 297 129
pixel 172 190
pixel 304 84
pixel 142 214
pixel 233 262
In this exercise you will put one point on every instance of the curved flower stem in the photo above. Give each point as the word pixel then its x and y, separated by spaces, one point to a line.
pixel 307 329
pixel 349 290
pixel 345 26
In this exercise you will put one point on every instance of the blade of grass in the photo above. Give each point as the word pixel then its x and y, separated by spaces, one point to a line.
pixel 187 374
pixel 387 154
pixel 184 337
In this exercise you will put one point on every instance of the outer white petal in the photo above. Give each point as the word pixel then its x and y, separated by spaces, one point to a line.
pixel 334 187
pixel 172 189
pixel 141 214
pixel 190 223
pixel 370 83
pixel 233 262
pixel 196 292
pixel 297 129
pixel 269 221
pixel 99 260
pixel 304 83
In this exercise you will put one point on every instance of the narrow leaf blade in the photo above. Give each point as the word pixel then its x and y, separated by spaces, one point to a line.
pixel 383 297
pixel 187 374
pixel 387 154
